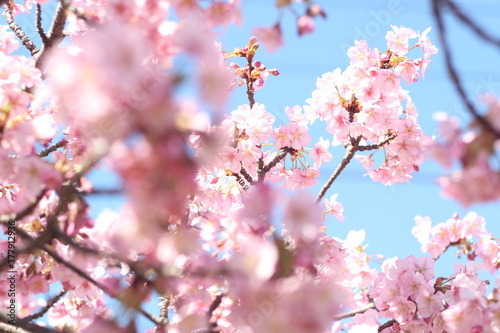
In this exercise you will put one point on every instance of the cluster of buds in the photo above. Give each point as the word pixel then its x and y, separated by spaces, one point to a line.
pixel 254 73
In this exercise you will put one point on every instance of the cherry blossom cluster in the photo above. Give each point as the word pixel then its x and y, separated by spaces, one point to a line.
pixel 366 102
pixel 468 234
pixel 469 153
pixel 255 73
pixel 205 227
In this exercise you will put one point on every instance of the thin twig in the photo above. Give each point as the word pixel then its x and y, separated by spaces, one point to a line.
pixel 352 148
pixel 276 160
pixel 215 304
pixel 85 276
pixel 17 29
pixel 387 325
pixel 249 81
pixel 452 71
pixel 39 27
pixel 106 191
pixel 390 136
pixel 354 312
pixel 53 148
pixel 25 212
pixel 47 307
pixel 240 181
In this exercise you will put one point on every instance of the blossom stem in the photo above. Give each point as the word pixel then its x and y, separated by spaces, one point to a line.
pixel 25 212
pixel 85 276
pixel 386 325
pixel 355 312
pixel 352 148
pixel 249 81
pixel 47 307
pixel 52 148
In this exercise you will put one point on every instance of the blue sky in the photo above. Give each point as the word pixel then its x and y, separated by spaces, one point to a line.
pixel 386 213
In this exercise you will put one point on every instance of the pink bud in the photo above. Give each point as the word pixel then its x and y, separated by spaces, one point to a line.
pixel 274 71
pixel 305 25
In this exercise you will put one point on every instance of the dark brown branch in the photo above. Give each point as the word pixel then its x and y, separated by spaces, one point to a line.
pixel 436 4
pixel 52 148
pixel 39 27
pixel 249 81
pixel 246 175
pixel 473 25
pixel 17 29
pixel 260 170
pixel 352 148
pixel 390 136
pixel 47 307
pixel 354 312
pixel 106 191
pixel 386 325
pixel 215 304
pixel 276 160
pixel 55 36
pixel 240 181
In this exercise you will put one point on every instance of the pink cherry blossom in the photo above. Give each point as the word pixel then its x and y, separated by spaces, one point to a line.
pixel 397 40
pixel 305 25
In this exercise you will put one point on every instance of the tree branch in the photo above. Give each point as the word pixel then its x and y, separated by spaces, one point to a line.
pixel 25 212
pixel 47 307
pixel 17 29
pixel 106 191
pixel 355 312
pixel 452 71
pixel 387 325
pixel 352 148
pixel 52 148
pixel 246 175
pixel 262 172
pixel 390 136
pixel 249 80
pixel 55 36
pixel 39 27
pixel 215 304
pixel 85 276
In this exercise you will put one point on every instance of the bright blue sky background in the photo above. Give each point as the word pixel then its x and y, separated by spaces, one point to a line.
pixel 386 213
